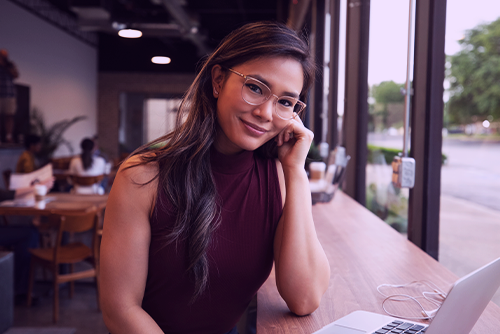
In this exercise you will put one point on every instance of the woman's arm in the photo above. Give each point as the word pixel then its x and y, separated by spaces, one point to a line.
pixel 125 250
pixel 302 268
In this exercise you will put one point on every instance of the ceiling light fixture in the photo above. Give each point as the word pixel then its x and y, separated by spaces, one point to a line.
pixel 161 60
pixel 130 33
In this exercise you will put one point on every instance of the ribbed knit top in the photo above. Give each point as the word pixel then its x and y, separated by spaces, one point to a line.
pixel 240 253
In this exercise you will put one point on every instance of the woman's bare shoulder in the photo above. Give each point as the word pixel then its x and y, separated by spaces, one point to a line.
pixel 135 184
pixel 137 172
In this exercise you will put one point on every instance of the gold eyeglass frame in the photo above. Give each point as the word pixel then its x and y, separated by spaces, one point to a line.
pixel 246 77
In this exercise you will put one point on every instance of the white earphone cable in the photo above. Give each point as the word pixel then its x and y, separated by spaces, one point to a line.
pixel 431 297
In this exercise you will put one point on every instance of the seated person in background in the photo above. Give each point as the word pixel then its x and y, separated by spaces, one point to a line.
pixel 87 165
pixel 27 162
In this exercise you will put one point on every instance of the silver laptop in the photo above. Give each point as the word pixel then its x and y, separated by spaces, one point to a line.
pixel 461 309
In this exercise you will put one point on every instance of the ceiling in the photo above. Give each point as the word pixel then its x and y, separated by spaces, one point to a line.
pixel 184 30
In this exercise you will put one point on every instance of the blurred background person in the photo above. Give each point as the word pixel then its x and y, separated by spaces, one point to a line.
pixel 8 72
pixel 87 164
pixel 27 162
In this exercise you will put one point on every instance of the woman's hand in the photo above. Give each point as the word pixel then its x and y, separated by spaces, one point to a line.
pixel 294 142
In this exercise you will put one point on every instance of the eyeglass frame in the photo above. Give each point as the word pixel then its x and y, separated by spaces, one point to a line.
pixel 246 77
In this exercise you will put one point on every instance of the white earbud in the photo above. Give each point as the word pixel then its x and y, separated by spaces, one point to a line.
pixel 429 314
pixel 216 92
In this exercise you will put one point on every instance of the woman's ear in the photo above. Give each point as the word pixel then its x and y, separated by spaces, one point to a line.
pixel 217 79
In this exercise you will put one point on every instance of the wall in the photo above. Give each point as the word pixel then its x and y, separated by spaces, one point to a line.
pixel 60 70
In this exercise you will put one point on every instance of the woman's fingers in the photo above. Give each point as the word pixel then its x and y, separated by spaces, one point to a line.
pixel 285 135
pixel 294 130
pixel 288 135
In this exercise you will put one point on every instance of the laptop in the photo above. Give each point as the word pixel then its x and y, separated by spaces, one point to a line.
pixel 460 311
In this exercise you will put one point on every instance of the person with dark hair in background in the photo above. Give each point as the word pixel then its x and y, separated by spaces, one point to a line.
pixel 196 218
pixel 8 72
pixel 88 165
pixel 27 161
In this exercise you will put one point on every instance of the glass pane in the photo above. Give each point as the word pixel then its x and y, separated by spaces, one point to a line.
pixel 160 117
pixel 470 178
pixel 144 119
pixel 386 77
pixel 131 115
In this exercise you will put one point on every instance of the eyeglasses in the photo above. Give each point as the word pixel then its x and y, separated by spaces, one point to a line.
pixel 255 92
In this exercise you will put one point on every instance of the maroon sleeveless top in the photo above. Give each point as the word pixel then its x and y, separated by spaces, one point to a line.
pixel 240 253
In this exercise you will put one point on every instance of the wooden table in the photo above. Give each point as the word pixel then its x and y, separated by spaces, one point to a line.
pixel 57 203
pixel 364 252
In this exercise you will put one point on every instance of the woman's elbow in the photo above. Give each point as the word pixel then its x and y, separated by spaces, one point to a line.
pixel 110 314
pixel 113 313
pixel 304 307
pixel 108 318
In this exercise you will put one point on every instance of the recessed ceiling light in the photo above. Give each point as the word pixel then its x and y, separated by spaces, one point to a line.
pixel 130 33
pixel 161 60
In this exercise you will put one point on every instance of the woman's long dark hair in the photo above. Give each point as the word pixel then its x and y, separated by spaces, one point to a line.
pixel 87 145
pixel 183 155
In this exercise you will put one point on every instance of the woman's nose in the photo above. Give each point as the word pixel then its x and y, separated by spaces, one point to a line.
pixel 265 110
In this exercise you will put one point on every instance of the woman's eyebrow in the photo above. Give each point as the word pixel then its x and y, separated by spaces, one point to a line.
pixel 258 77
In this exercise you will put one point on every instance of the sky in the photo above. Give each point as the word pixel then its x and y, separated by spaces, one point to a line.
pixel 389 33
pixel 388 48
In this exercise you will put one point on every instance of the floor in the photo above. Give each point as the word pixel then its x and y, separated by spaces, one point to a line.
pixel 469 236
pixel 79 313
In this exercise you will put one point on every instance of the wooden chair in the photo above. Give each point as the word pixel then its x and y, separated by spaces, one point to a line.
pixel 71 253
pixel 86 180
pixel 61 163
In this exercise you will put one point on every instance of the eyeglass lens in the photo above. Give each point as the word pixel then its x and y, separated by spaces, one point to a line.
pixel 254 92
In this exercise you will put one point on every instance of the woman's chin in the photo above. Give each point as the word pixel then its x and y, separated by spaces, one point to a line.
pixel 253 145
pixel 242 143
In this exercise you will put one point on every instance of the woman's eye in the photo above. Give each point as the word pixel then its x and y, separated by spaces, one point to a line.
pixel 254 88
pixel 286 103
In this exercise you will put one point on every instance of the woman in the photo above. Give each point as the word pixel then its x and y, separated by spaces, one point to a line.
pixel 87 165
pixel 192 228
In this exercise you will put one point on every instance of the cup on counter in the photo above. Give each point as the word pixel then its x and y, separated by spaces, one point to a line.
pixel 40 192
pixel 40 205
pixel 317 170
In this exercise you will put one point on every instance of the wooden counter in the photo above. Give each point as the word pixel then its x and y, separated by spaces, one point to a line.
pixel 364 252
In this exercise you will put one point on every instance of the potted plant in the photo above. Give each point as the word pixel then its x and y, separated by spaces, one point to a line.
pixel 52 136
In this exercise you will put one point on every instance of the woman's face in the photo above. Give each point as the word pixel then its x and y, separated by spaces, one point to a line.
pixel 247 127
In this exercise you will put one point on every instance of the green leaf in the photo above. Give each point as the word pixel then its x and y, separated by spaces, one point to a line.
pixel 475 76
pixel 52 137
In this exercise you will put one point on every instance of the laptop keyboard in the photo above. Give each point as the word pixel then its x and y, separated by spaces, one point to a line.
pixel 400 327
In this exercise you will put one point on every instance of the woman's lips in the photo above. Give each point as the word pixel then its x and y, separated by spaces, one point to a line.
pixel 254 129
